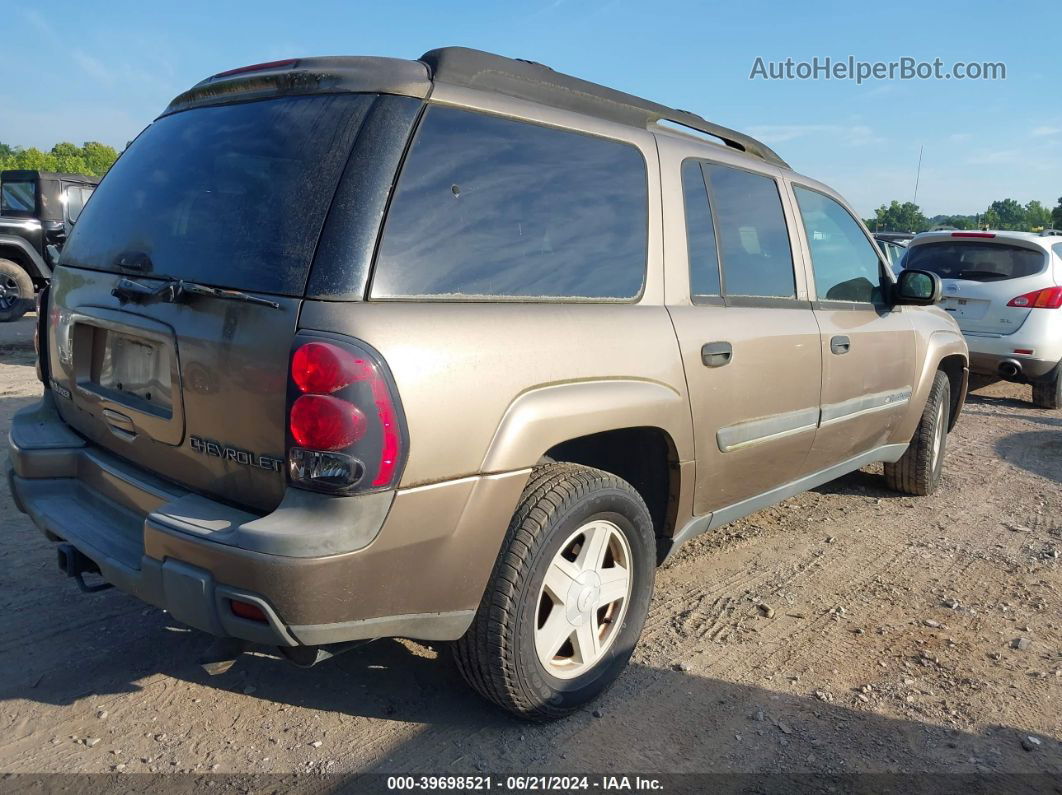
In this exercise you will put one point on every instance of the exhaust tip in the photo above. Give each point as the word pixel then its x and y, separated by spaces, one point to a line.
pixel 1010 369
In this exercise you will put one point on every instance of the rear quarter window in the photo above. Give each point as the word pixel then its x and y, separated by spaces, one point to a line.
pixel 489 208
pixel 975 260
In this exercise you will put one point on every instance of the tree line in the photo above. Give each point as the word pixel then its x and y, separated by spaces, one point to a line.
pixel 91 158
pixel 1003 214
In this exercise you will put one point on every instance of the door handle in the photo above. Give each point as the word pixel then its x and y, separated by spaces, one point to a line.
pixel 716 354
pixel 840 345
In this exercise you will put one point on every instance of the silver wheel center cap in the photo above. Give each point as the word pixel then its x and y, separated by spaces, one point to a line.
pixel 582 597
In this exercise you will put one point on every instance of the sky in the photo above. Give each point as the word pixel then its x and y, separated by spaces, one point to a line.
pixel 80 71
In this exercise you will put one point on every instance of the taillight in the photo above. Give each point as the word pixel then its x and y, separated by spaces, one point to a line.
pixel 345 425
pixel 1047 298
pixel 973 234
pixel 322 422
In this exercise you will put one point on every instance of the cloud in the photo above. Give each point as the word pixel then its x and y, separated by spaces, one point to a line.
pixel 93 67
pixel 998 156
pixel 1038 132
pixel 960 137
pixel 853 135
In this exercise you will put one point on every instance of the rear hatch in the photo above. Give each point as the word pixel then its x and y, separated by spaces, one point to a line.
pixel 187 382
pixel 981 277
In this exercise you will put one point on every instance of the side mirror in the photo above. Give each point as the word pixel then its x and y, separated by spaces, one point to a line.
pixel 919 288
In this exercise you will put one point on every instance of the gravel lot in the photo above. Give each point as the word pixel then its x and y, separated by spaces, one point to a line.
pixel 845 630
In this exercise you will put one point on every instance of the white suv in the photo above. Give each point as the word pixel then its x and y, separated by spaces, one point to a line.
pixel 1005 291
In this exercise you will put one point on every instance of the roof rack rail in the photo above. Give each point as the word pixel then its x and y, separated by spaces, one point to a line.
pixel 1051 233
pixel 537 83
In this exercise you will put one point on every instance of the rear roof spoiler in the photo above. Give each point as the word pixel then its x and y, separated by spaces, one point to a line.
pixel 459 66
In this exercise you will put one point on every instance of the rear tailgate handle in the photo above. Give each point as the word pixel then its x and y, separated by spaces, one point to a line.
pixel 120 424
pixel 716 354
pixel 840 345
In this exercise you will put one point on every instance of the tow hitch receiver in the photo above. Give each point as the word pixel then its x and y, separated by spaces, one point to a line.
pixel 77 565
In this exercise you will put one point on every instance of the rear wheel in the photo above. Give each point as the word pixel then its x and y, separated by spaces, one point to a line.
pixel 918 472
pixel 16 291
pixel 1048 394
pixel 567 598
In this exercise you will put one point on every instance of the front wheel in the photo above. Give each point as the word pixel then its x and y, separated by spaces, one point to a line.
pixel 918 472
pixel 1048 394
pixel 16 291
pixel 568 597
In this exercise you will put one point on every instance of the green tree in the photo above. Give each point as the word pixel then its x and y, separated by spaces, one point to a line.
pixel 1036 216
pixel 896 217
pixel 1006 214
pixel 66 157
pixel 957 221
pixel 1056 215
pixel 98 157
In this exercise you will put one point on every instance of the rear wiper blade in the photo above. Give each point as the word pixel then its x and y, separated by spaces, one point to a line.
pixel 174 290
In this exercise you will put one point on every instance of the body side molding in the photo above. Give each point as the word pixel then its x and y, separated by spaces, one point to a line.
pixel 701 524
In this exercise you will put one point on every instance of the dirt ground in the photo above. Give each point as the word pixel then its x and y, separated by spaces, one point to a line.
pixel 846 630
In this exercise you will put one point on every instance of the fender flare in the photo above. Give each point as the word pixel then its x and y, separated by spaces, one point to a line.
pixel 37 266
pixel 942 343
pixel 544 416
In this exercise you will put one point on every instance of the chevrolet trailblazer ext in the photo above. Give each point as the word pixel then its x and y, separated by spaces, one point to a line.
pixel 457 349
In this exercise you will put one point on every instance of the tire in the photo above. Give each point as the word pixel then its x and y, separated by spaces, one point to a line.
pixel 16 291
pixel 1048 394
pixel 918 472
pixel 499 655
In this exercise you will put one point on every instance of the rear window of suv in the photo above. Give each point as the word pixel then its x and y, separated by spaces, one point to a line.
pixel 490 208
pixel 975 261
pixel 231 196
pixel 18 197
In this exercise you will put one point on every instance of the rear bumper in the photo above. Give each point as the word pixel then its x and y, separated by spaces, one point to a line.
pixel 411 563
pixel 1041 333
pixel 1030 369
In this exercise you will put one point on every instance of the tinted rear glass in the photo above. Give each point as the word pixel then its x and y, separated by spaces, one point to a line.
pixel 754 238
pixel 18 197
pixel 490 208
pixel 230 196
pixel 975 261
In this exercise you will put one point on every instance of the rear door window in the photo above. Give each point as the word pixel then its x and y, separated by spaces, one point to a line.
pixel 230 196
pixel 491 208
pixel 753 236
pixel 975 260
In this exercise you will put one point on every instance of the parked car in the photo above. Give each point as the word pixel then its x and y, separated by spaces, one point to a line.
pixel 37 209
pixel 457 349
pixel 1005 291
pixel 893 245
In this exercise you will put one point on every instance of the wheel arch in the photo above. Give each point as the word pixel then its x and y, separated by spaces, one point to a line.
pixel 945 350
pixel 637 430
pixel 19 251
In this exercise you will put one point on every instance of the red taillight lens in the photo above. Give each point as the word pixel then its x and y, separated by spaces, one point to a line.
pixel 322 422
pixel 347 428
pixel 973 234
pixel 323 368
pixel 1048 298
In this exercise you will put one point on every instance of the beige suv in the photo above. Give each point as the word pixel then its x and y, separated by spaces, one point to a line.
pixel 456 349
